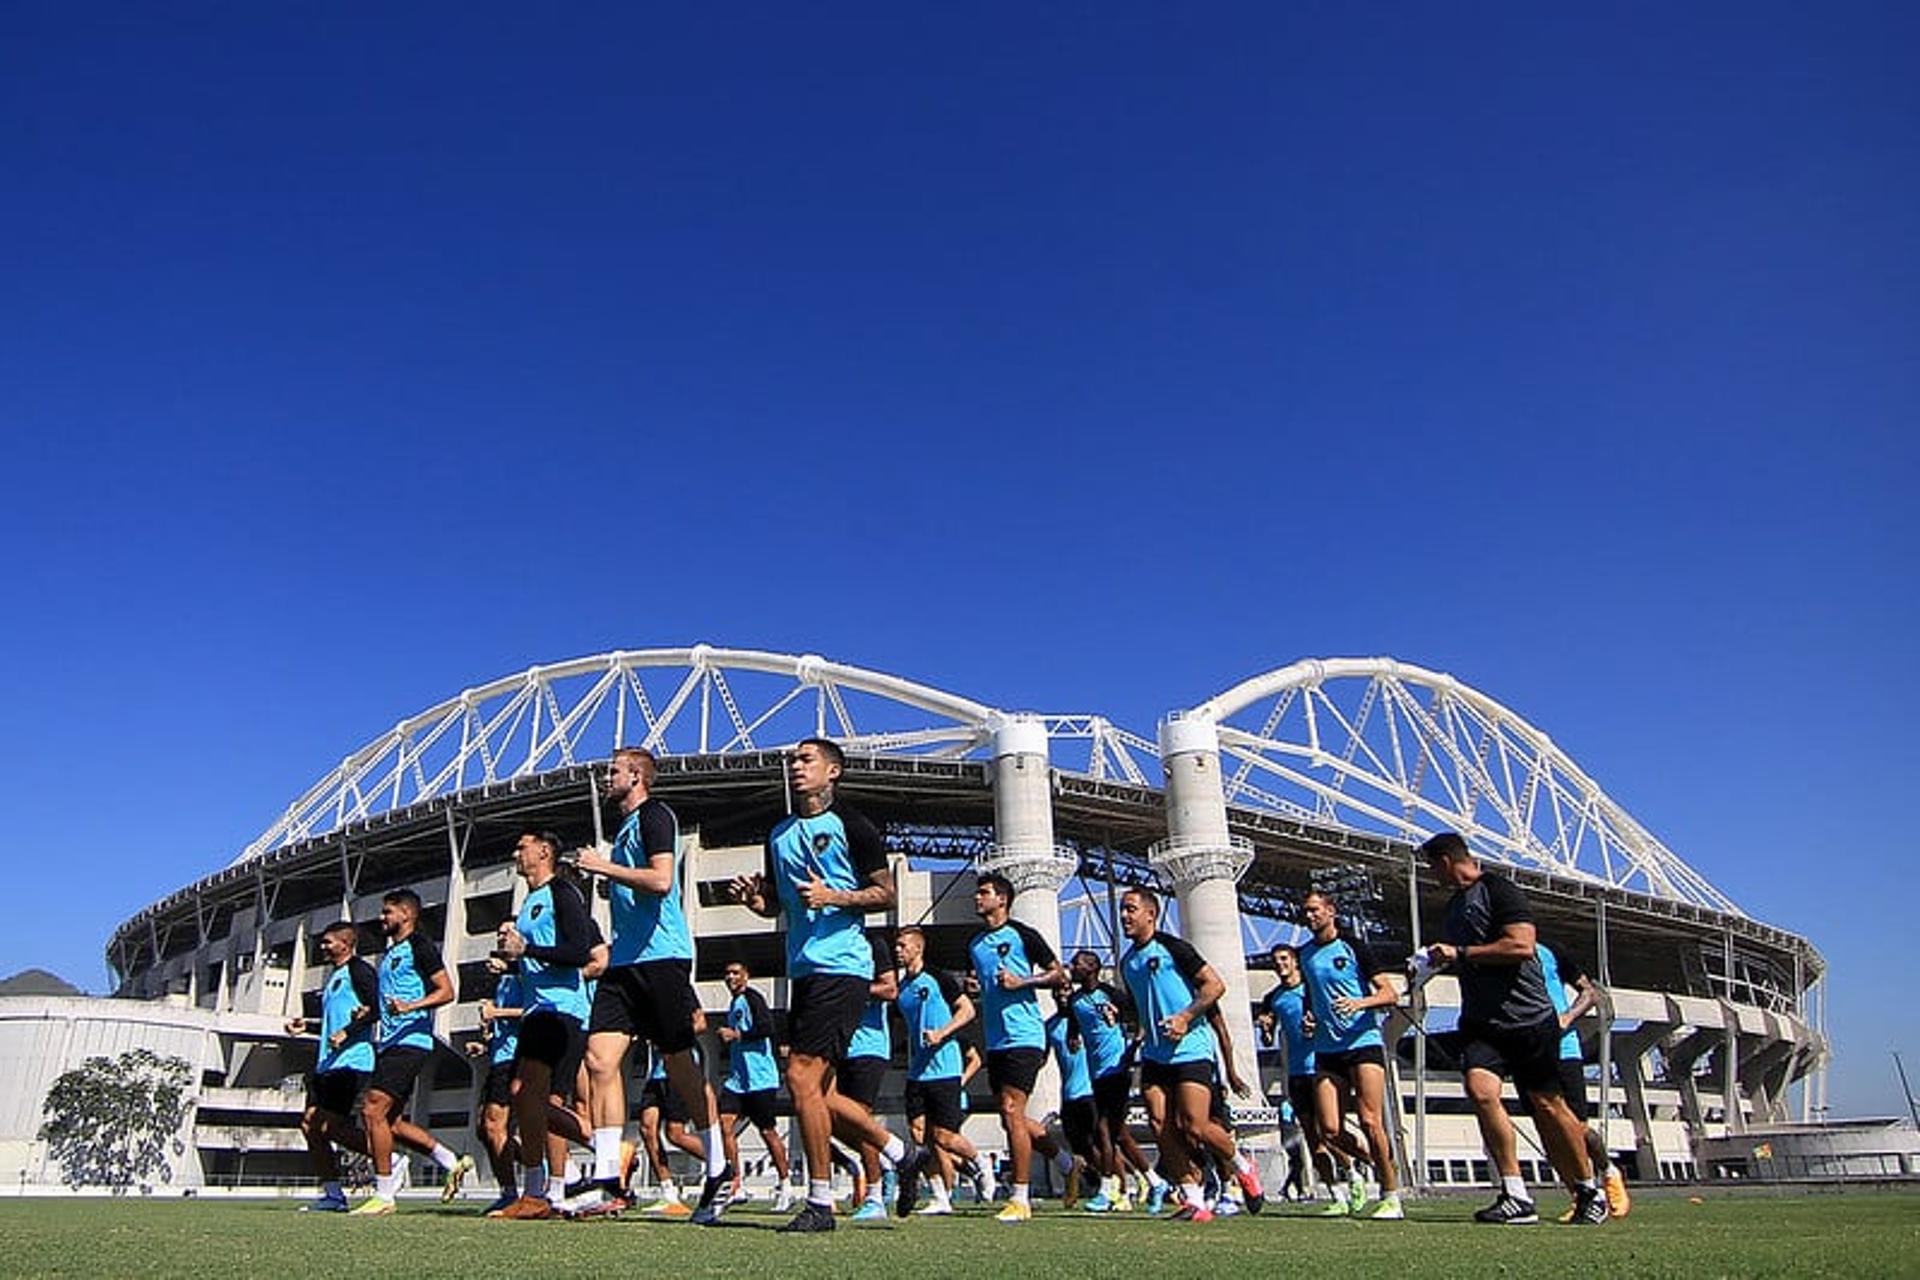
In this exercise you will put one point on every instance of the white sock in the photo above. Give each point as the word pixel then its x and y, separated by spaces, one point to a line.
pixel 667 1190
pixel 875 1194
pixel 1193 1195
pixel 716 1151
pixel 606 1153
pixel 1019 1193
pixel 444 1157
pixel 332 1190
pixel 1241 1164
pixel 941 1196
pixel 1587 1185
pixel 895 1150
pixel 1063 1161
pixel 1154 1179
pixel 1515 1186
pixel 536 1180
pixel 819 1191
pixel 386 1185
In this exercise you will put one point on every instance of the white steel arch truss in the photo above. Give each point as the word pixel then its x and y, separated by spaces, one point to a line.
pixel 1379 745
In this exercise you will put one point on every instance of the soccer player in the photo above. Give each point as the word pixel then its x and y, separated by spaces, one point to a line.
pixel 753 1078
pixel 826 868
pixel 1343 988
pixel 1561 971
pixel 933 1009
pixel 647 991
pixel 869 1054
pixel 1078 1115
pixel 1283 1018
pixel 500 1023
pixel 413 982
pixel 1507 1026
pixel 1173 987
pixel 1011 962
pixel 1101 1011
pixel 349 996
pixel 552 937
pixel 663 1114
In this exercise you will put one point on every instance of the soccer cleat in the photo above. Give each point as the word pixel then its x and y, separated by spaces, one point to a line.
pixel 1226 1207
pixel 450 1185
pixel 1157 1198
pixel 1014 1212
pixel 1388 1210
pixel 1508 1212
pixel 1123 1205
pixel 1250 1188
pixel 372 1207
pixel 501 1201
pixel 870 1210
pixel 1099 1204
pixel 526 1209
pixel 937 1209
pixel 1356 1192
pixel 908 1169
pixel 1337 1208
pixel 327 1204
pixel 782 1199
pixel 716 1193
pixel 812 1217
pixel 1618 1201
pixel 676 1209
pixel 1589 1208
pixel 1193 1213
pixel 604 1207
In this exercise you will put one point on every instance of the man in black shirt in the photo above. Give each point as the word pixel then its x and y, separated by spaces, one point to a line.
pixel 1508 1026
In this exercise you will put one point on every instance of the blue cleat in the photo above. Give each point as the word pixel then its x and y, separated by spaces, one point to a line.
pixel 869 1211
pixel 1157 1198
pixel 1099 1204
pixel 326 1204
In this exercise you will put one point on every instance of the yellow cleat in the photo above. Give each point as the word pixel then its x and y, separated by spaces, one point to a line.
pixel 1615 1185
pixel 1014 1212
pixel 450 1188
pixel 371 1207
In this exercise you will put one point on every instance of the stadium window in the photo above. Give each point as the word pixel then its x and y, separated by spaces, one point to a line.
pixel 1461 1172
pixel 1436 1171
pixel 1480 1171
pixel 243 963
pixel 487 912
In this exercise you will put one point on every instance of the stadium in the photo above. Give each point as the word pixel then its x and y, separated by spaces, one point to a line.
pixel 1322 773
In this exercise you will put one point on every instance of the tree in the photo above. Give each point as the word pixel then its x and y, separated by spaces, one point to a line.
pixel 114 1121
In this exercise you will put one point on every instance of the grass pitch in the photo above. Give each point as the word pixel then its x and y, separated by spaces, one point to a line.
pixel 1853 1234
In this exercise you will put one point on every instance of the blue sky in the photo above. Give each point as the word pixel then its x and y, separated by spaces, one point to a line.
pixel 1085 357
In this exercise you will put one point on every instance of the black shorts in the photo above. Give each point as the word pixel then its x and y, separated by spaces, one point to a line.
pixel 1217 1105
pixel 653 1000
pixel 1304 1093
pixel 859 1079
pixel 1167 1075
pixel 1340 1064
pixel 556 1041
pixel 824 1011
pixel 1077 1118
pixel 395 1069
pixel 1530 1056
pixel 336 1091
pixel 1573 1086
pixel 498 1090
pixel 758 1107
pixel 938 1101
pixel 661 1096
pixel 1014 1068
pixel 1113 1098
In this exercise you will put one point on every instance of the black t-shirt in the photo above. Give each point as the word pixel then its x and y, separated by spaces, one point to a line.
pixel 1496 995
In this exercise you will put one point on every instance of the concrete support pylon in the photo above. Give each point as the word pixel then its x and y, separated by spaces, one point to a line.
pixel 1204 862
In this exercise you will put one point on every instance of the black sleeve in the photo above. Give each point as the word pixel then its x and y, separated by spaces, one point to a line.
pixel 949 987
pixel 366 983
pixel 864 845
pixel 1039 954
pixel 657 833
pixel 1505 905
pixel 1188 961
pixel 1363 957
pixel 595 938
pixel 882 955
pixel 572 930
pixel 426 958
pixel 760 1026
pixel 1571 974
pixel 767 862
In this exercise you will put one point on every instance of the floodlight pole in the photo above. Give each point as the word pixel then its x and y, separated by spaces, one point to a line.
pixel 1913 1112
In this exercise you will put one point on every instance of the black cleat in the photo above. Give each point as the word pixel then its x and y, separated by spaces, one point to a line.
pixel 812 1217
pixel 1508 1212
pixel 1590 1208
pixel 716 1193
pixel 908 1170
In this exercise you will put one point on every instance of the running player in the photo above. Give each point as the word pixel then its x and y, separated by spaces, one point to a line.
pixel 1283 1018
pixel 753 1079
pixel 826 868
pixel 1173 987
pixel 1507 1026
pixel 1561 971
pixel 413 982
pixel 933 1009
pixel 552 938
pixel 1343 988
pixel 1078 1115
pixel 1102 1012
pixel 349 996
pixel 869 1054
pixel 492 1123
pixel 663 1115
pixel 1011 962
pixel 647 991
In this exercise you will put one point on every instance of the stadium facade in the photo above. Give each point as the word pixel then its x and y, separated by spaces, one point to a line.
pixel 1318 774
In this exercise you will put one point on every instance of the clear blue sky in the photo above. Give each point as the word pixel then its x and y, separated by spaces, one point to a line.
pixel 1076 356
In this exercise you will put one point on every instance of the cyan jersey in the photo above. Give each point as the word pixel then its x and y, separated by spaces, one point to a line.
pixel 1334 969
pixel 1075 1080
pixel 1288 1005
pixel 1162 975
pixel 873 1038
pixel 405 971
pixel 648 926
pixel 843 850
pixel 550 985
pixel 752 1067
pixel 1557 985
pixel 503 1034
pixel 349 987
pixel 927 1001
pixel 1104 1041
pixel 1010 1019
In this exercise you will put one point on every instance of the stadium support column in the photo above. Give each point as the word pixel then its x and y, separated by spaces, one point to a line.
pixel 1204 864
pixel 1023 849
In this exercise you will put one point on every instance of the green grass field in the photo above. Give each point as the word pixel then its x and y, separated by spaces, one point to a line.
pixel 1850 1234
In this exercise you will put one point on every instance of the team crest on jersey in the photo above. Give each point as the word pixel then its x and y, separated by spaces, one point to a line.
pixel 1003 949
pixel 538 907
pixel 821 841
pixel 1153 964
pixel 1339 962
